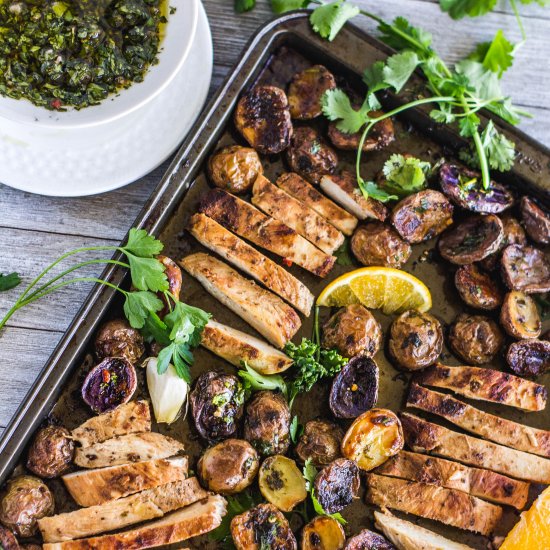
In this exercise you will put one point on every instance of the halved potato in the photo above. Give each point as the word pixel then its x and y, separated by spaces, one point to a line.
pixel 281 482
pixel 519 315
pixel 323 533
pixel 373 437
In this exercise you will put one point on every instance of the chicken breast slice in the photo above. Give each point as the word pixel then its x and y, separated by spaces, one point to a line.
pixel 217 238
pixel 264 311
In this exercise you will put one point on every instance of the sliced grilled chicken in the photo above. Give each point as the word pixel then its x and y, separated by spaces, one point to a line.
pixel 432 502
pixel 264 311
pixel 191 521
pixel 283 207
pixel 491 427
pixel 408 536
pixel 132 417
pixel 424 436
pixel 235 347
pixel 480 483
pixel 343 189
pixel 125 449
pixel 248 222
pixel 300 189
pixel 117 514
pixel 487 385
pixel 218 239
pixel 91 487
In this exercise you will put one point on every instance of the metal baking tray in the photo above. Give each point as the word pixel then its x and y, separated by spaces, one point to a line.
pixel 274 54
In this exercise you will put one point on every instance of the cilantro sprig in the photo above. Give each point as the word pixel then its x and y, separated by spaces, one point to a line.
pixel 405 174
pixel 9 281
pixel 181 328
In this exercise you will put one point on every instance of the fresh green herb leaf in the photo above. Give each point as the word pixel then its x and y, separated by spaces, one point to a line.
pixel 496 56
pixel 405 174
pixel 254 381
pixel 147 273
pixel 244 5
pixel 328 19
pixel 296 429
pixel 369 189
pixel 186 323
pixel 458 9
pixel 402 35
pixel 236 504
pixel 309 472
pixel 282 6
pixel 337 106
pixel 9 281
pixel 399 68
pixel 155 330
pixel 143 245
pixel 138 305
pixel 343 254
pixel 499 149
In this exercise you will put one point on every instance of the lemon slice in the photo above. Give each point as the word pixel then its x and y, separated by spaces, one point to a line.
pixel 385 288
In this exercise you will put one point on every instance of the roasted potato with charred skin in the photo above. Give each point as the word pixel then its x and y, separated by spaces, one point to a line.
pixel 310 156
pixel 337 485
pixel 51 452
pixel 529 357
pixel 320 442
pixel 263 118
pixel 267 423
pixel 234 168
pixel 519 316
pixel 476 288
pixel 173 274
pixel 27 500
pixel 117 338
pixel 380 136
pixel 306 91
pixel 372 438
pixel 281 482
pixel 228 467
pixel 262 527
pixel 368 540
pixel 8 540
pixel 323 533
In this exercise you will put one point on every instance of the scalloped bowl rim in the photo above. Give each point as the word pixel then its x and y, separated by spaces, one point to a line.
pixel 179 34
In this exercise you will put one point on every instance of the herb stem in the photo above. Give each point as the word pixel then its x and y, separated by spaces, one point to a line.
pixel 518 19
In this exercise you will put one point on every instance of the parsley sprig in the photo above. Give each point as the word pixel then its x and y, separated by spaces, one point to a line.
pixel 180 330
pixel 9 281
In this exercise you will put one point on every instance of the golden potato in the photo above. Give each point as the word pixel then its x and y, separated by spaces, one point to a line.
pixel 306 91
pixel 519 315
pixel 373 437
pixel 282 483
pixel 323 533
pixel 234 168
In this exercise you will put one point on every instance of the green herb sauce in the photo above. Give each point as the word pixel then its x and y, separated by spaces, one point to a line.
pixel 76 52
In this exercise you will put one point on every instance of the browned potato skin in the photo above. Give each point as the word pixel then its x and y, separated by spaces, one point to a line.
pixel 422 216
pixel 525 268
pixel 380 136
pixel 310 156
pixel 27 500
pixel 476 288
pixel 519 316
pixel 529 357
pixel 117 338
pixel 29 547
pixel 267 423
pixel 320 442
pixel 306 91
pixel 228 467
pixel 8 540
pixel 475 339
pixel 378 244
pixel 263 118
pixel 51 452
pixel 368 540
pixel 337 485
pixel 323 533
pixel 513 234
pixel 536 221
pixel 234 168
pixel 353 330
pixel 173 274
pixel 416 340
pixel 264 519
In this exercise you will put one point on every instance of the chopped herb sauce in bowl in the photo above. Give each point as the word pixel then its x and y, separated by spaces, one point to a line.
pixel 70 63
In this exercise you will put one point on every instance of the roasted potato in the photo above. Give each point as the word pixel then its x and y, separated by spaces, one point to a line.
pixel 337 485
pixel 306 90
pixel 310 156
pixel 261 528
pixel 27 499
pixel 529 357
pixel 368 540
pixel 263 118
pixel 519 316
pixel 234 168
pixel 525 268
pixel 228 467
pixel 373 437
pixel 173 274
pixel 51 452
pixel 281 482
pixel 380 136
pixel 323 533
pixel 267 423
pixel 8 540
pixel 476 288
pixel 536 219
pixel 117 338
pixel 217 403
pixel 353 330
pixel 320 443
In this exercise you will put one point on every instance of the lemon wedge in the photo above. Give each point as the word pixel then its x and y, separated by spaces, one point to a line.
pixel 385 288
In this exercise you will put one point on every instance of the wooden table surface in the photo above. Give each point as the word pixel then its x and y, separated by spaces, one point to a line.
pixel 35 230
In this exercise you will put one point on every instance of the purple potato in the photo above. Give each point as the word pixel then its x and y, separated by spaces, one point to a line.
pixel 525 268
pixel 463 187
pixel 337 485
pixel 109 384
pixel 536 219
pixel 529 357
pixel 368 540
pixel 355 388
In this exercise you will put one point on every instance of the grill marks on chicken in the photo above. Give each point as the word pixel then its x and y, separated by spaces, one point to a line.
pixel 264 311
pixel 248 222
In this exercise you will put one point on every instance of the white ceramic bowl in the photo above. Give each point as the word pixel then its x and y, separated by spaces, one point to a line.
pixel 174 49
